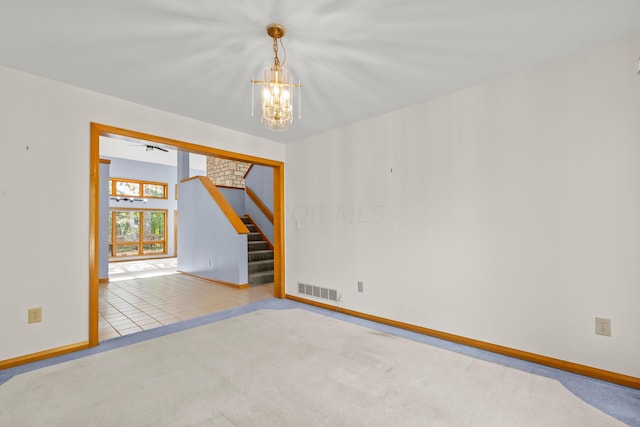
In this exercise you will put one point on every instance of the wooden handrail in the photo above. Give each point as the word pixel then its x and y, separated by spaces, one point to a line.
pixel 263 208
pixel 226 208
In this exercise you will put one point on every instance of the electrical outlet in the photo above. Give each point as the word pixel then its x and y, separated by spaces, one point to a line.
pixel 360 287
pixel 603 326
pixel 35 315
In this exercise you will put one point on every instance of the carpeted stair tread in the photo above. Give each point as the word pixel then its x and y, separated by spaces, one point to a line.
pixel 257 246
pixel 259 266
pixel 260 255
pixel 254 237
pixel 260 278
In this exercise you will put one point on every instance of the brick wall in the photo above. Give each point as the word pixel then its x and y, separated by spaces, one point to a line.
pixel 228 173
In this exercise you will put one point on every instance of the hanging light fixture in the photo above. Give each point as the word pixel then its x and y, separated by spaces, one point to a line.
pixel 277 87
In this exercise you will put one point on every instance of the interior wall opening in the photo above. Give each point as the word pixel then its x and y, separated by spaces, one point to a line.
pixel 147 240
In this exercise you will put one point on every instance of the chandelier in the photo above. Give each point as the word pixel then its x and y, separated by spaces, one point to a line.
pixel 277 87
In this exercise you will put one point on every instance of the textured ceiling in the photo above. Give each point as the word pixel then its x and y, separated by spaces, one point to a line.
pixel 356 58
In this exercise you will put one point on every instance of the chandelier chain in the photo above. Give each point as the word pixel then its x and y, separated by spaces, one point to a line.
pixel 276 60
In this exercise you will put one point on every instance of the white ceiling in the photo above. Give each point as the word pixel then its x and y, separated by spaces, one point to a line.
pixel 134 149
pixel 356 58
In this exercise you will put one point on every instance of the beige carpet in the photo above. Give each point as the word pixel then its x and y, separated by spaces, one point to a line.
pixel 287 368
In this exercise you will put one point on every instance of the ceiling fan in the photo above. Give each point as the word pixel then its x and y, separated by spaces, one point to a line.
pixel 155 147
pixel 150 147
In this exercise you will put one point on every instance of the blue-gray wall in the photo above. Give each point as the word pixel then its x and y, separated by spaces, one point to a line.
pixel 235 197
pixel 209 245
pixel 260 180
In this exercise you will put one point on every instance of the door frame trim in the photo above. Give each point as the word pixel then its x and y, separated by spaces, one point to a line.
pixel 98 130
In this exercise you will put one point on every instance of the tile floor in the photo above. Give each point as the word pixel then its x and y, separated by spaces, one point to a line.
pixel 139 297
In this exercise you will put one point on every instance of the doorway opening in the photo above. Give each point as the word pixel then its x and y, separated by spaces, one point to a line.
pixel 98 130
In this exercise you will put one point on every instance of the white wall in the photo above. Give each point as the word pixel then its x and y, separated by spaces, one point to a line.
pixel 511 215
pixel 44 199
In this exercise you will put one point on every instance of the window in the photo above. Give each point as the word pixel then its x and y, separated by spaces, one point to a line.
pixel 136 232
pixel 127 188
pixel 154 190
pixel 136 188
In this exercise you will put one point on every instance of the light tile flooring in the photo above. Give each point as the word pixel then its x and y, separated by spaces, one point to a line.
pixel 146 294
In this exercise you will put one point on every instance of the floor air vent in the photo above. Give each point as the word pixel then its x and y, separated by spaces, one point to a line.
pixel 317 291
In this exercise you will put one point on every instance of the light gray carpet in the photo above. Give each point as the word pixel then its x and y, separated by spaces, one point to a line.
pixel 287 368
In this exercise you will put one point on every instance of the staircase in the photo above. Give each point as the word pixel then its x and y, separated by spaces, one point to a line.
pixel 260 256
